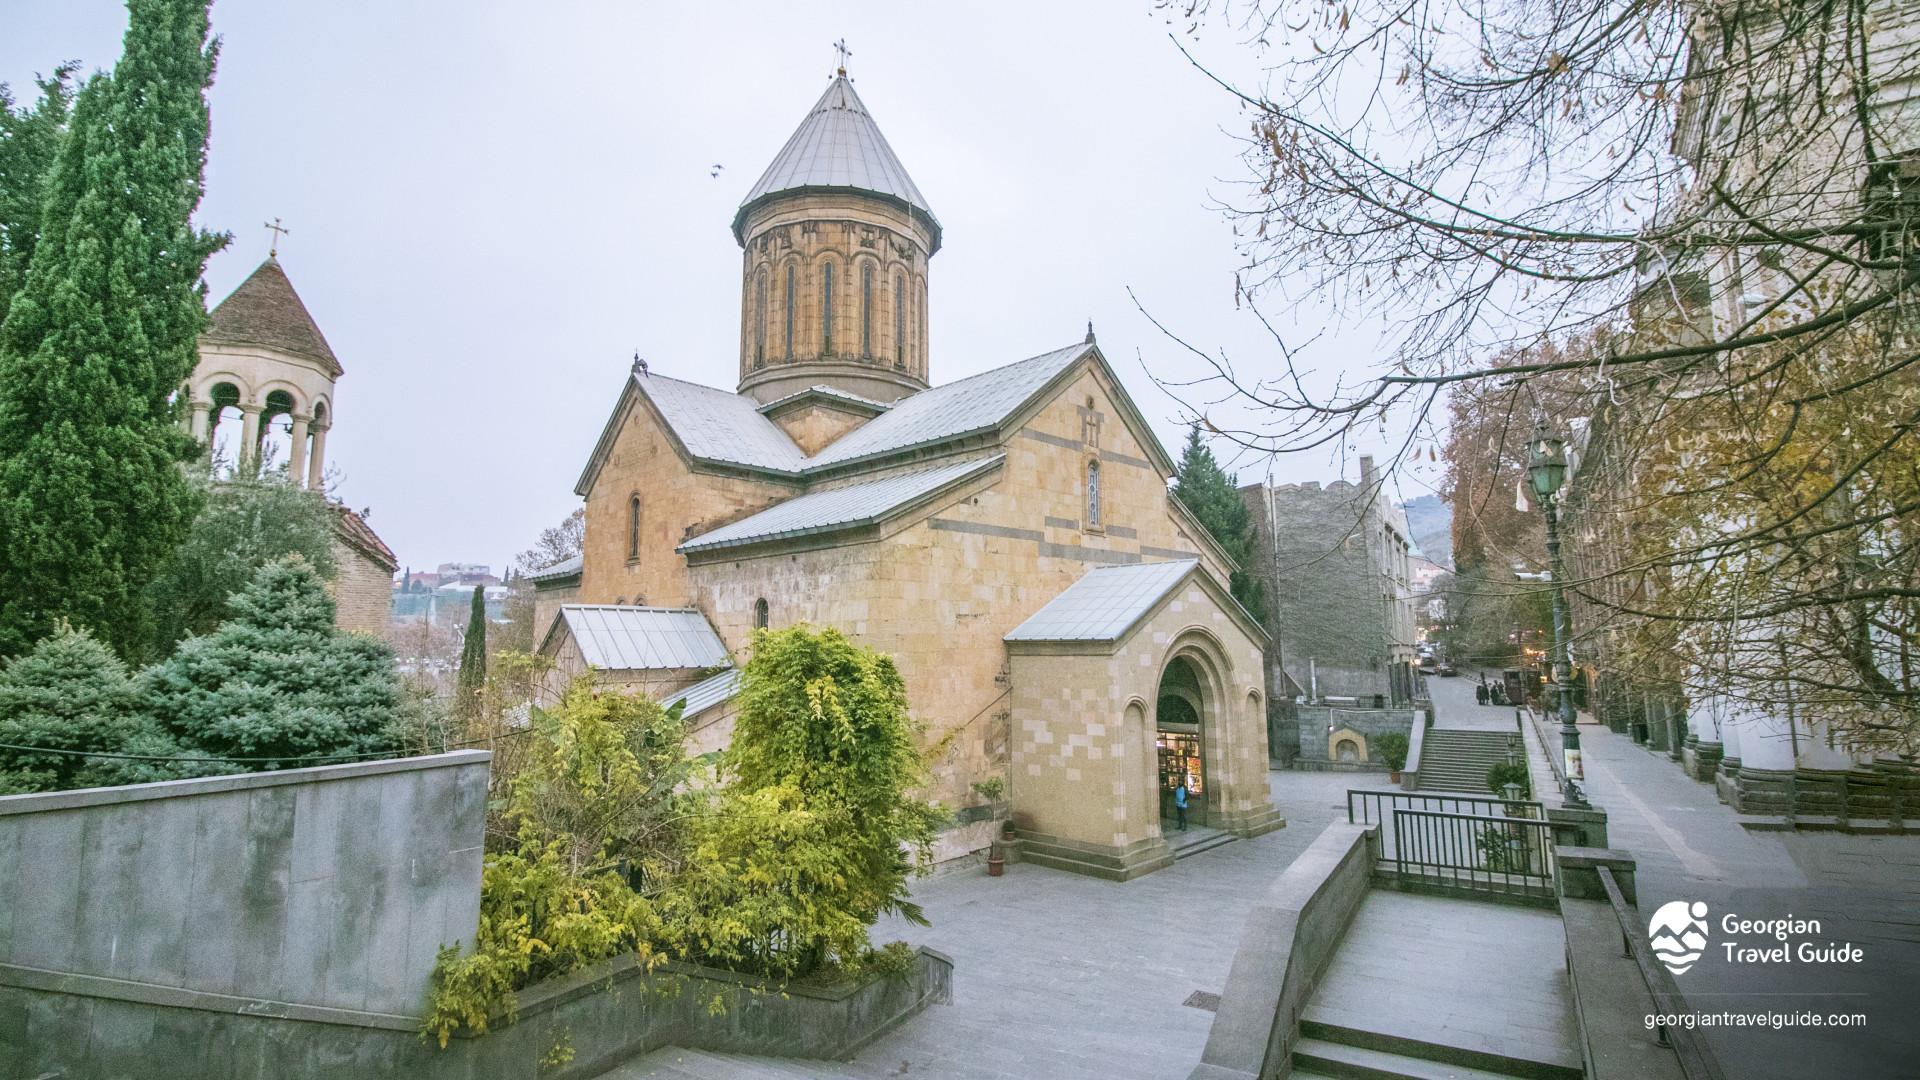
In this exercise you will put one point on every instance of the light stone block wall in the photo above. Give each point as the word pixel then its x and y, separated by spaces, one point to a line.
pixel 547 602
pixel 329 887
pixel 675 502
pixel 362 591
pixel 814 427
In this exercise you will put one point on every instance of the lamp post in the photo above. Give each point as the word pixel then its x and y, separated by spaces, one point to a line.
pixel 1547 469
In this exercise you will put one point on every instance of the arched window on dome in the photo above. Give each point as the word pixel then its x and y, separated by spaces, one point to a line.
pixel 900 320
pixel 1093 494
pixel 760 319
pixel 793 290
pixel 826 309
pixel 866 310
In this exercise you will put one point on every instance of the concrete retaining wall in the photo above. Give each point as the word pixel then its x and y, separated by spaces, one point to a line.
pixel 327 888
pixel 1283 951
pixel 575 1027
pixel 1313 724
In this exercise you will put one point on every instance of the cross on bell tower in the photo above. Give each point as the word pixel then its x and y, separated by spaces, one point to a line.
pixel 278 230
pixel 840 47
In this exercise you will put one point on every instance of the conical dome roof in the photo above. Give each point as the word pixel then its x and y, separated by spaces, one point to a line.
pixel 265 310
pixel 838 147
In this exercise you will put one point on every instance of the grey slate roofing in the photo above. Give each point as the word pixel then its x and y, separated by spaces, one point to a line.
pixel 831 392
pixel 838 146
pixel 1105 603
pixel 565 568
pixel 715 425
pixel 972 404
pixel 707 693
pixel 841 508
pixel 634 638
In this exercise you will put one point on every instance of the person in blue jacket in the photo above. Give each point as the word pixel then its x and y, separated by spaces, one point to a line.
pixel 1180 804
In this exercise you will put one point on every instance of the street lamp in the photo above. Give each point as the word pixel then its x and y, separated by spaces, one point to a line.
pixel 1547 469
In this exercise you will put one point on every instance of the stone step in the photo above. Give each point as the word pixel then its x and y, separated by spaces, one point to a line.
pixel 1187 851
pixel 1322 1024
pixel 1359 1063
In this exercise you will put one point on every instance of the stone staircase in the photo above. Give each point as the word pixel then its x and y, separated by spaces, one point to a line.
pixel 1454 759
pixel 1326 1050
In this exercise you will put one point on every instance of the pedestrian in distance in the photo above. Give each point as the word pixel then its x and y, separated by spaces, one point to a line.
pixel 1180 804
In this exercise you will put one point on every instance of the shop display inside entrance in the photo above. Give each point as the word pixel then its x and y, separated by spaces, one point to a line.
pixel 1180 760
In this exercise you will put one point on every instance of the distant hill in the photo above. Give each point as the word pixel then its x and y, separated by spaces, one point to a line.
pixel 1431 523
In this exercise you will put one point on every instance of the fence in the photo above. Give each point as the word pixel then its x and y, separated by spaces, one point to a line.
pixel 1696 1058
pixel 1461 842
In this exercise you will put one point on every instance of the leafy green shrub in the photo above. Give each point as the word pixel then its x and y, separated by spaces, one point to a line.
pixel 599 807
pixel 1393 749
pixel 1509 772
pixel 71 693
pixel 816 832
pixel 990 789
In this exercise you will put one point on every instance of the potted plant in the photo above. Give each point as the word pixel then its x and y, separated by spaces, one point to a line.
pixel 1393 750
pixel 996 862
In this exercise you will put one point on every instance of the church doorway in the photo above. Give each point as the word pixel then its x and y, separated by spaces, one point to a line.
pixel 1180 735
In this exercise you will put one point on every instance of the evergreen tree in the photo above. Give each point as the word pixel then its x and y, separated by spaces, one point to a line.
pixel 243 525
pixel 69 693
pixel 1212 495
pixel 99 339
pixel 29 139
pixel 277 681
pixel 473 651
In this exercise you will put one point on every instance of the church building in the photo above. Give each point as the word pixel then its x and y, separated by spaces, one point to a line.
pixel 1061 622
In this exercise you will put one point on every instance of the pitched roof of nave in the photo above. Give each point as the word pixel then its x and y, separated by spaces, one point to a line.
pixel 1109 601
pixel 857 505
pixel 838 147
pixel 717 427
pixel 265 310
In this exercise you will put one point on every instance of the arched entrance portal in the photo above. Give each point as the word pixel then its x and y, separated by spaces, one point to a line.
pixel 1180 733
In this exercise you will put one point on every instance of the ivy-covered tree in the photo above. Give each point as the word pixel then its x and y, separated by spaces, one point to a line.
pixel 243 525
pixel 276 681
pixel 29 138
pixel 99 339
pixel 817 830
pixel 473 651
pixel 1210 492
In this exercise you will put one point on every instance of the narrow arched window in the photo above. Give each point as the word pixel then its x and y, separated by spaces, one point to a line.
pixel 633 528
pixel 866 310
pixel 760 319
pixel 1093 493
pixel 760 613
pixel 826 309
pixel 793 288
pixel 899 320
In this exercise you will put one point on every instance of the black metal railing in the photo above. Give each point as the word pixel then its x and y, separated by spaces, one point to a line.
pixel 1696 1058
pixel 1376 808
pixel 1498 853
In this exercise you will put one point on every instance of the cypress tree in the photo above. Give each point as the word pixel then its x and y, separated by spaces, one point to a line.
pixel 1214 498
pixel 29 140
pixel 473 652
pixel 100 338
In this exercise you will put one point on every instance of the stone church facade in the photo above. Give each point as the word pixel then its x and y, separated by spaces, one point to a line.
pixel 1060 621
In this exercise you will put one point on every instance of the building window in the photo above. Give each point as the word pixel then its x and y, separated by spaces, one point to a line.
pixel 793 289
pixel 1093 494
pixel 760 319
pixel 633 528
pixel 760 613
pixel 826 310
pixel 899 320
pixel 866 310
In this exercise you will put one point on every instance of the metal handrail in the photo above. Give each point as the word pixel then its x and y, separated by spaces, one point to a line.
pixel 1696 1058
pixel 1546 751
pixel 1477 849
pixel 1426 800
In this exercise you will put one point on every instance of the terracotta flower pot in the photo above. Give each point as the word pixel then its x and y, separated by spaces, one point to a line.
pixel 996 865
pixel 1393 776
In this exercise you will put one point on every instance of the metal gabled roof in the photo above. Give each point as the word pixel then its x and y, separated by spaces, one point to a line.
pixel 1105 603
pixel 619 638
pixel 847 507
pixel 972 404
pixel 565 568
pixel 838 147
pixel 706 693
pixel 719 426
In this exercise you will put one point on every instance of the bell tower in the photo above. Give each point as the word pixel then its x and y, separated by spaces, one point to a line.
pixel 836 238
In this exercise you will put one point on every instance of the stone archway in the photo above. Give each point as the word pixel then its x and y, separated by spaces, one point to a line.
pixel 1189 731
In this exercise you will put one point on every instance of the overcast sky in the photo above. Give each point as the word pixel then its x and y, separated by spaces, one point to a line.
pixel 493 205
